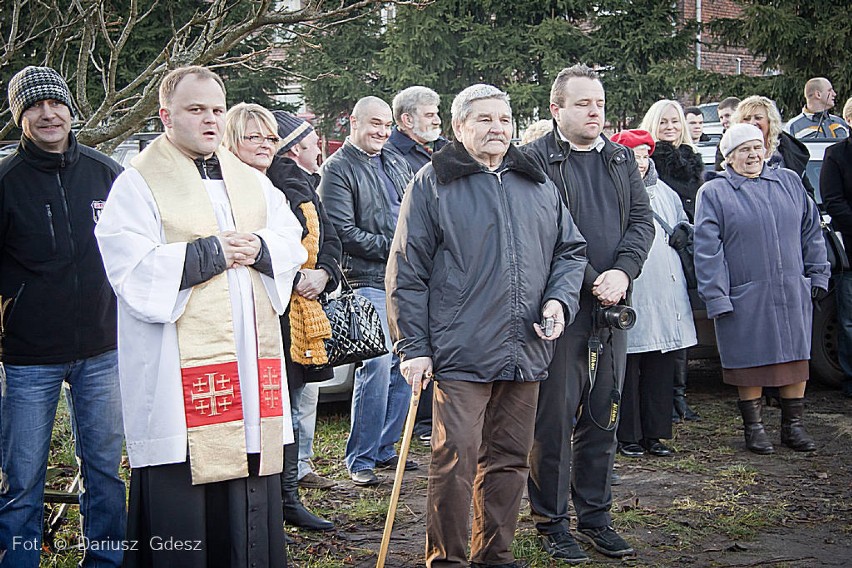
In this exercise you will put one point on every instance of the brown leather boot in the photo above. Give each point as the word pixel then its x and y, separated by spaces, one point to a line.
pixel 793 433
pixel 755 436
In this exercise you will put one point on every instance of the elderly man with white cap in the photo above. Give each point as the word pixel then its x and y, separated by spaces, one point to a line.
pixel 760 259
pixel 57 324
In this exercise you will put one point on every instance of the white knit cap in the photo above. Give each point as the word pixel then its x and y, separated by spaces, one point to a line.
pixel 736 135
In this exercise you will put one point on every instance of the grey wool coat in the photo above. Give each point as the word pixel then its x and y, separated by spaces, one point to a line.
pixel 758 253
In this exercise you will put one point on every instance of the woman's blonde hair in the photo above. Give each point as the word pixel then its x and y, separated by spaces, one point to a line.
pixel 748 106
pixel 651 122
pixel 237 122
pixel 536 130
pixel 847 110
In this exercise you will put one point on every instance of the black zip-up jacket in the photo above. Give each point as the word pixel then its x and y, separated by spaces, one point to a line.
pixel 359 207
pixel 476 255
pixel 59 305
pixel 634 207
pixel 835 187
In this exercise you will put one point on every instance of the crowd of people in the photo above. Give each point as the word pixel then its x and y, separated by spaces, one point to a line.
pixel 539 295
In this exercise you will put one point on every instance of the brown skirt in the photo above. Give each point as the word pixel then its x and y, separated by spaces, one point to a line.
pixel 777 375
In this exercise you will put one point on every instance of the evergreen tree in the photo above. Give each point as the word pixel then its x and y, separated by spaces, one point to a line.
pixel 801 39
pixel 340 66
pixel 644 54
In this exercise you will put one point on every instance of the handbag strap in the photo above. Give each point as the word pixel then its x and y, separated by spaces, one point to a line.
pixel 666 227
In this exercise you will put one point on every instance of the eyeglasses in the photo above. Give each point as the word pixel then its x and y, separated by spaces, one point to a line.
pixel 258 140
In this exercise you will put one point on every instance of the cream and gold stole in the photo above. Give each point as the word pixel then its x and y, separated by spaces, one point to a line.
pixel 205 330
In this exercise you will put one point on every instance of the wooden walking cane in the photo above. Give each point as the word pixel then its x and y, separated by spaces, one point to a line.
pixel 397 480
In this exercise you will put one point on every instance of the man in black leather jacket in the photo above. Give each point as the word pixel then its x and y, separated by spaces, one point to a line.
pixel 600 183
pixel 361 187
pixel 57 323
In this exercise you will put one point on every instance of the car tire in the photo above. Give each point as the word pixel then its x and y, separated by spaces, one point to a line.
pixel 825 365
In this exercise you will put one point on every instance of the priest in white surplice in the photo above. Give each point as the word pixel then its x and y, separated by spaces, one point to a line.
pixel 201 251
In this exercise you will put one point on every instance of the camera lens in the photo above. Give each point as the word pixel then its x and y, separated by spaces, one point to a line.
pixel 626 319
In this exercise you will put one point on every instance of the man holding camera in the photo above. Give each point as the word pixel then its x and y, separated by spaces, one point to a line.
pixel 577 405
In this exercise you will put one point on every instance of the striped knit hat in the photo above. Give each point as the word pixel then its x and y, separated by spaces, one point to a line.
pixel 33 84
pixel 291 129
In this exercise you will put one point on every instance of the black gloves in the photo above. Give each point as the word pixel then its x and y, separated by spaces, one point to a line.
pixel 681 237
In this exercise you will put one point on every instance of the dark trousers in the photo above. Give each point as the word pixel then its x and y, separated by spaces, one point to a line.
pixel 844 319
pixel 571 460
pixel 481 437
pixel 646 399
pixel 228 524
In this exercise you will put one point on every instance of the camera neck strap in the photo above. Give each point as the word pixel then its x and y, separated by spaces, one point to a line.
pixel 594 359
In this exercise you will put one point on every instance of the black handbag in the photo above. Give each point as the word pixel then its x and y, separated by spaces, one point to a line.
pixel 356 328
pixel 835 252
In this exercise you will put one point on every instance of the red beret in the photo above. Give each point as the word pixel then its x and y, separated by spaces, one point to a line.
pixel 633 138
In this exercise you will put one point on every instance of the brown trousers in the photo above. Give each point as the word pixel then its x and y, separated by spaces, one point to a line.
pixel 481 436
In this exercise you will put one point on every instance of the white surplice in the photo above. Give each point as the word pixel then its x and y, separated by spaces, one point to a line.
pixel 145 273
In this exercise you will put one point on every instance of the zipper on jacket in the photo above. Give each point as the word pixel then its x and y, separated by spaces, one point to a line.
pixel 75 293
pixel 513 261
pixel 49 212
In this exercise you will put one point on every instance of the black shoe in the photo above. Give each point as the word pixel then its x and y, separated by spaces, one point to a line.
pixel 425 439
pixel 631 450
pixel 656 447
pixel 562 545
pixel 297 515
pixel 390 463
pixel 606 541
pixel 365 477
pixel 615 479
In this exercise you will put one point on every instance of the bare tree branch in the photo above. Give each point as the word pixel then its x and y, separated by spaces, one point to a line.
pixel 90 35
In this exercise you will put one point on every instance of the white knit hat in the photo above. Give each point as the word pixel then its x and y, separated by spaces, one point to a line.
pixel 736 135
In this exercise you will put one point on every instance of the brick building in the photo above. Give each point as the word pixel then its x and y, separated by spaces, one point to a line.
pixel 718 59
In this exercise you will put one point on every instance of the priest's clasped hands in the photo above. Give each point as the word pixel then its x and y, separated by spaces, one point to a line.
pixel 240 249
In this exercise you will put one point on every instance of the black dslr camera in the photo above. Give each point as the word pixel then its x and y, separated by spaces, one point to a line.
pixel 618 316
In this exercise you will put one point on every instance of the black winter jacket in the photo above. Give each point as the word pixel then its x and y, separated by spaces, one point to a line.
pixel 634 207
pixel 835 186
pixel 300 187
pixel 413 152
pixel 358 205
pixel 60 304
pixel 682 169
pixel 476 255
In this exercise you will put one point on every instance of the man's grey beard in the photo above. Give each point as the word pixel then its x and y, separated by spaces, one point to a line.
pixel 429 135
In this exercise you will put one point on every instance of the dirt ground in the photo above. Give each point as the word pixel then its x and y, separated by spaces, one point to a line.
pixel 711 504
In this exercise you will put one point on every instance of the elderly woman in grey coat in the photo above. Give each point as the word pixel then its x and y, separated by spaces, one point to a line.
pixel 664 325
pixel 760 260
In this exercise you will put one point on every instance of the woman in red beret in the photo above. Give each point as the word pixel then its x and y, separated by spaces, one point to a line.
pixel 664 327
